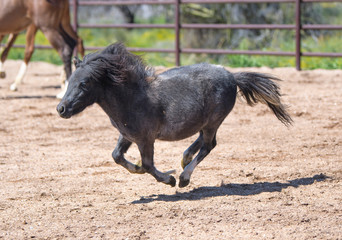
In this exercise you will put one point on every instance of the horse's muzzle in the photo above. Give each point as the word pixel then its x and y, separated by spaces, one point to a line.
pixel 62 111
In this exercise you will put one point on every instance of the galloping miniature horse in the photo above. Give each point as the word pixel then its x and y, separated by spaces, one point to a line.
pixel 173 105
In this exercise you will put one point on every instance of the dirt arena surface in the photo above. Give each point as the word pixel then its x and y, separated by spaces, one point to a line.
pixel 262 181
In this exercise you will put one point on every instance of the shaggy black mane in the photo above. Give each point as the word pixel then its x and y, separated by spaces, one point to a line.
pixel 117 66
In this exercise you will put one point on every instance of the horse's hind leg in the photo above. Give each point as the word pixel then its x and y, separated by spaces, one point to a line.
pixel 209 142
pixel 11 39
pixel 190 152
pixel 118 156
pixel 64 45
pixel 2 72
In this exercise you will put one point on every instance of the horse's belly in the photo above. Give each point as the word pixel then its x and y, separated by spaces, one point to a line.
pixel 179 131
pixel 13 19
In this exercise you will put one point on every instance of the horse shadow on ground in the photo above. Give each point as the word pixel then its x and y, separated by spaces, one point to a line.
pixel 231 189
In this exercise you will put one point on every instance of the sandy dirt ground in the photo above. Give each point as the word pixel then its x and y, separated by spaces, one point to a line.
pixel 262 181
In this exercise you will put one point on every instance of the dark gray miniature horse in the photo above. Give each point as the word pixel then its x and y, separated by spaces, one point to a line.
pixel 170 106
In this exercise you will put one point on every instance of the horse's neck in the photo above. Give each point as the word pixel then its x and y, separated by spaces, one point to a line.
pixel 117 102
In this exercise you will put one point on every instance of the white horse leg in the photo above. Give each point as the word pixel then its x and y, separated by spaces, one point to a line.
pixel 19 77
pixel 62 78
pixel 64 88
pixel 64 85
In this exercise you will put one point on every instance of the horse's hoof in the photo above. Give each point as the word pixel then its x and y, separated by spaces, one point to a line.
pixel 183 182
pixel 2 74
pixel 172 181
pixel 13 87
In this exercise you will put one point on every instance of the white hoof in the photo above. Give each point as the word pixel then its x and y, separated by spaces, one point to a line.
pixel 13 87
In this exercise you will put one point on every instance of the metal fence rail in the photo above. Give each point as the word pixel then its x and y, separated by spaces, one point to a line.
pixel 178 26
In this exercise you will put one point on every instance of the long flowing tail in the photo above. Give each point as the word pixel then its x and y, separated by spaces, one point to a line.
pixel 257 87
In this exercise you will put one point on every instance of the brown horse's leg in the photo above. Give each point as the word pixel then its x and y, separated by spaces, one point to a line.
pixel 4 54
pixel 64 45
pixel 29 48
pixel 2 72
pixel 80 48
pixel 209 142
pixel 70 31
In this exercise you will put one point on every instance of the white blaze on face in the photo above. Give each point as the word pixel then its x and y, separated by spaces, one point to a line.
pixel 19 77
pixel 1 69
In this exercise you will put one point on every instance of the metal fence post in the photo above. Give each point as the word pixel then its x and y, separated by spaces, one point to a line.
pixel 298 36
pixel 177 32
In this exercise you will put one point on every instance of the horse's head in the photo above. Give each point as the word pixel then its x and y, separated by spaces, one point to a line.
pixel 112 68
pixel 82 91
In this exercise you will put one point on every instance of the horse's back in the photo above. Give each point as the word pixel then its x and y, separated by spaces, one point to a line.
pixel 203 79
pixel 195 71
pixel 193 97
pixel 17 15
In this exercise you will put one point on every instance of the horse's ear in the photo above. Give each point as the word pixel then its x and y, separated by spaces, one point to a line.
pixel 76 62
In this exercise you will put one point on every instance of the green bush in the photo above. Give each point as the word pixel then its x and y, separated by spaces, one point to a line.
pixel 164 39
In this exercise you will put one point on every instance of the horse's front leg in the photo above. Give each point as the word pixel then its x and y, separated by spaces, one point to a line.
pixel 118 156
pixel 146 152
pixel 29 49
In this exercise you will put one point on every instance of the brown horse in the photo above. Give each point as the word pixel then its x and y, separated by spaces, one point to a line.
pixel 51 17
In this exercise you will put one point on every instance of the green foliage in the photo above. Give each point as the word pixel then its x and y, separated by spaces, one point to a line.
pixel 282 41
pixel 152 38
pixel 279 40
pixel 39 54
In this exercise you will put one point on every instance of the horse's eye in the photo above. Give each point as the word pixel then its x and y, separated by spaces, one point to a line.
pixel 83 86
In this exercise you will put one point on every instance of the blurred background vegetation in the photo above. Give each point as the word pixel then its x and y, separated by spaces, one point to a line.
pixel 255 13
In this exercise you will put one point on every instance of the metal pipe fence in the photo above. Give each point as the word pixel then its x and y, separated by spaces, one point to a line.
pixel 178 26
